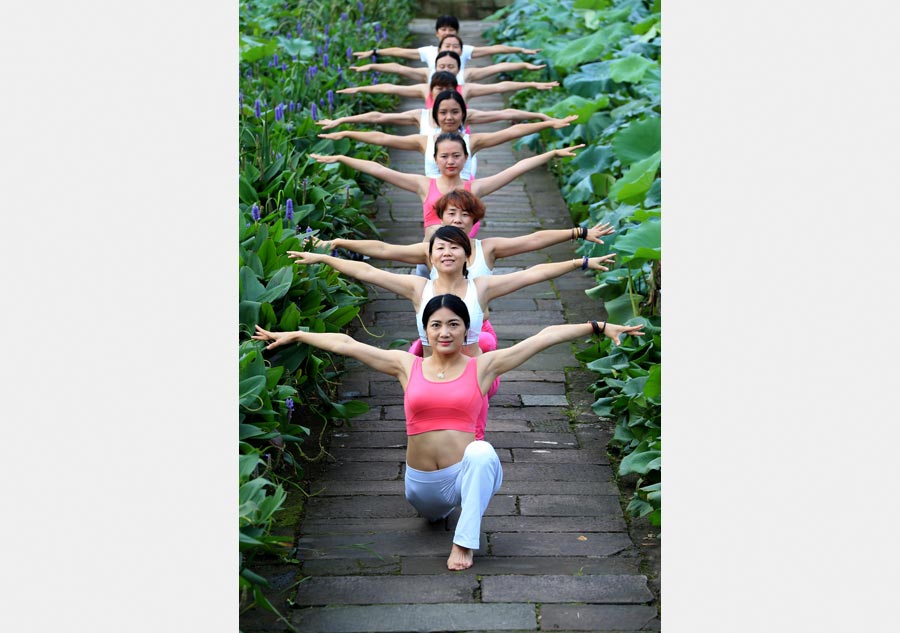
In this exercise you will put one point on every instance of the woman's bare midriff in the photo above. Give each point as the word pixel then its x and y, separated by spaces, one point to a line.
pixel 437 449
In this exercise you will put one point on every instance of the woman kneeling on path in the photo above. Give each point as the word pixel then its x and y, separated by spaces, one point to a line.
pixel 445 466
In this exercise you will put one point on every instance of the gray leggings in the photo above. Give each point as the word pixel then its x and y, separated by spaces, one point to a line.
pixel 470 483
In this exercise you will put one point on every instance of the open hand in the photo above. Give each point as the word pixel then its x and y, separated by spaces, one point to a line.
pixel 614 331
pixel 563 152
pixel 531 66
pixel 321 158
pixel 278 338
pixel 546 85
pixel 596 232
pixel 560 123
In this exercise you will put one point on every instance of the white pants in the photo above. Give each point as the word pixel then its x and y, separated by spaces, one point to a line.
pixel 470 483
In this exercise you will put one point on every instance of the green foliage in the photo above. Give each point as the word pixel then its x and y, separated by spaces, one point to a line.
pixel 293 59
pixel 605 53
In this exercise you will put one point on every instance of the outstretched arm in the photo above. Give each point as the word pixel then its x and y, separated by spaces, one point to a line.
pixel 416 74
pixel 392 362
pixel 507 114
pixel 410 182
pixel 492 286
pixel 483 186
pixel 409 286
pixel 500 49
pixel 409 141
pixel 470 91
pixel 493 364
pixel 394 51
pixel 500 247
pixel 474 74
pixel 413 91
pixel 410 117
pixel 416 253
pixel 490 139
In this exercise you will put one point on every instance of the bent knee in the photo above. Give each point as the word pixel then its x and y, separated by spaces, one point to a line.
pixel 481 451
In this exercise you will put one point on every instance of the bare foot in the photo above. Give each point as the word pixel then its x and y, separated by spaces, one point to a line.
pixel 460 558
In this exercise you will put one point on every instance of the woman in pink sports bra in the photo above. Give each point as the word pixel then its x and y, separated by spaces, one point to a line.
pixel 449 249
pixel 445 466
pixel 450 154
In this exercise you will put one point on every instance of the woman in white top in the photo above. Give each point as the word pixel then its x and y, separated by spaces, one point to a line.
pixel 449 112
pixel 449 61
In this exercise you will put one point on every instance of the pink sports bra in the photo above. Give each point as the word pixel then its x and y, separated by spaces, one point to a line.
pixel 440 406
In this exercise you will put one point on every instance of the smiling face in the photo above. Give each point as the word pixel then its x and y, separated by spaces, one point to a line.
pixel 458 217
pixel 447 256
pixel 449 116
pixel 450 157
pixel 446 330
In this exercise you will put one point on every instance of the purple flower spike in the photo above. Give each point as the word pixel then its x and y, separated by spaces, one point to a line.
pixel 299 29
pixel 289 209
pixel 343 17
pixel 335 253
pixel 314 112
pixel 327 43
pixel 278 112
pixel 325 60
pixel 326 30
pixel 349 53
pixel 314 70
pixel 257 110
pixel 254 212
pixel 359 5
pixel 330 95
pixel 275 59
pixel 309 229
pixel 319 50
pixel 292 106
pixel 283 65
pixel 289 403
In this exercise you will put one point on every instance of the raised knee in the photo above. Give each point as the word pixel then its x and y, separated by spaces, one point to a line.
pixel 481 451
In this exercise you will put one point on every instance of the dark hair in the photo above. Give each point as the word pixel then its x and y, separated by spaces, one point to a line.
pixel 446 20
pixel 452 303
pixel 453 35
pixel 452 55
pixel 465 200
pixel 455 235
pixel 443 78
pixel 443 96
pixel 450 136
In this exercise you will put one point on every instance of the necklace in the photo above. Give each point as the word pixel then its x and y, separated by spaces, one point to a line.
pixel 441 375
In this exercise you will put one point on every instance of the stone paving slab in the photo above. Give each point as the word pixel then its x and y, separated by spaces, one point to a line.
pixel 609 523
pixel 388 507
pixel 532 440
pixel 524 487
pixel 559 456
pixel 558 543
pixel 593 617
pixel 369 525
pixel 412 617
pixel 568 505
pixel 357 566
pixel 323 488
pixel 607 589
pixel 364 470
pixel 534 565
pixel 435 589
pixel 380 545
pixel 556 472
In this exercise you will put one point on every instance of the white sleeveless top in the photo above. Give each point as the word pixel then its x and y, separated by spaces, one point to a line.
pixel 478 269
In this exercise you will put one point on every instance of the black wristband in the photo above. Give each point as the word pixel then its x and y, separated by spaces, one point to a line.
pixel 596 328
pixel 374 52
pixel 584 232
pixel 603 329
pixel 584 262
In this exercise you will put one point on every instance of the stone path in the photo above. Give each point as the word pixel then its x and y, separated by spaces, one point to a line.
pixel 555 554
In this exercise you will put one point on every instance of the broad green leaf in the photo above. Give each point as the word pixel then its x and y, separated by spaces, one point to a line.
pixel 646 235
pixel 250 287
pixel 620 308
pixel 574 104
pixel 582 50
pixel 246 191
pixel 653 386
pixel 640 462
pixel 304 49
pixel 279 285
pixel 590 4
pixel 248 314
pixel 590 81
pixel 635 386
pixel 631 69
pixel 654 195
pixel 246 463
pixel 246 431
pixel 250 388
pixel 633 186
pixel 253 50
pixel 638 141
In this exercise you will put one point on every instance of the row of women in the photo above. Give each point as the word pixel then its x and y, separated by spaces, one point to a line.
pixel 450 372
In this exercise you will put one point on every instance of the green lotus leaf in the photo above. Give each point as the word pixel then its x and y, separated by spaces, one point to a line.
pixel 647 235
pixel 630 69
pixel 633 186
pixel 637 141
pixel 574 104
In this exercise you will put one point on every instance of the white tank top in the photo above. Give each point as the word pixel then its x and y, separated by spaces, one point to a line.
pixel 431 168
pixel 476 316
